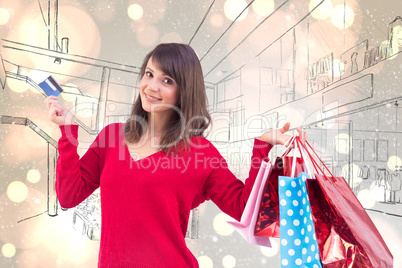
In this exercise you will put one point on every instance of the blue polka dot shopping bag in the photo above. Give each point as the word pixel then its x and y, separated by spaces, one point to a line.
pixel 298 241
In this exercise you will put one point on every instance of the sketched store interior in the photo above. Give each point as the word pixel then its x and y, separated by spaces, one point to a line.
pixel 345 91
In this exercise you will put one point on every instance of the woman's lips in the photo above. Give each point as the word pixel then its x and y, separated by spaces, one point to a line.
pixel 151 98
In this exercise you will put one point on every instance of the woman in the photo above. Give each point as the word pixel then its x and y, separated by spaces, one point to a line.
pixel 156 167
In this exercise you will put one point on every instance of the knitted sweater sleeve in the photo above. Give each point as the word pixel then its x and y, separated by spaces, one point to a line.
pixel 76 178
pixel 229 193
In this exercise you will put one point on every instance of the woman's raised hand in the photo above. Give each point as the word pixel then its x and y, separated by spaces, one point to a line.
pixel 279 136
pixel 57 113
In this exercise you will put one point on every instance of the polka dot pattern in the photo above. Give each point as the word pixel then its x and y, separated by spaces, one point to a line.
pixel 298 241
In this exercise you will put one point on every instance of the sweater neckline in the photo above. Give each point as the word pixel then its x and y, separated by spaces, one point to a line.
pixel 129 158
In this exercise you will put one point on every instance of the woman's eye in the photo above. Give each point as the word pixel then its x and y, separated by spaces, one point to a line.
pixel 168 81
pixel 149 74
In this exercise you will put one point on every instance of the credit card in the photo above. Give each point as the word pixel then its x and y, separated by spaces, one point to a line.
pixel 51 87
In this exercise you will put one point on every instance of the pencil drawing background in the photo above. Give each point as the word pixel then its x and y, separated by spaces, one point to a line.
pixel 332 67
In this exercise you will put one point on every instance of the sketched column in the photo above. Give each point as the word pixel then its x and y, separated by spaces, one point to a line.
pixel 103 94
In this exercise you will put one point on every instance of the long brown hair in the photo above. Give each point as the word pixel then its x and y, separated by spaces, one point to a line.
pixel 192 118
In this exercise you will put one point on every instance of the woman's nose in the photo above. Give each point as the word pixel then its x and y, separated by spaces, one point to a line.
pixel 153 85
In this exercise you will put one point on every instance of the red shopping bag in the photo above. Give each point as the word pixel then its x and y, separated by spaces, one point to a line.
pixel 267 223
pixel 345 233
pixel 268 217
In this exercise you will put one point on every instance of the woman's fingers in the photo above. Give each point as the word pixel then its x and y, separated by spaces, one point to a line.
pixel 285 128
pixel 302 135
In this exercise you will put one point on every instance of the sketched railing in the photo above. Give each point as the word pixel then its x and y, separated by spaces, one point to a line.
pixel 52 202
pixel 29 81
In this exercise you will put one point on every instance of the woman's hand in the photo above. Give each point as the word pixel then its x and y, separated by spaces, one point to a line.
pixel 278 136
pixel 57 113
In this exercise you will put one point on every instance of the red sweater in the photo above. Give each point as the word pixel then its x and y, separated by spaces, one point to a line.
pixel 146 204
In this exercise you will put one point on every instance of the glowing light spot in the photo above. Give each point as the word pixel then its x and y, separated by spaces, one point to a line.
pixel 394 163
pixel 343 143
pixel 33 176
pixel 205 262
pixel 216 20
pixel 18 85
pixel 337 68
pixel 263 7
pixel 4 16
pixel 221 226
pixel 342 17
pixel 397 35
pixel 17 191
pixel 229 261
pixel 355 174
pixel 8 250
pixel 233 8
pixel 379 191
pixel 135 12
pixel 323 11
pixel 388 51
pixel 272 251
pixel 366 199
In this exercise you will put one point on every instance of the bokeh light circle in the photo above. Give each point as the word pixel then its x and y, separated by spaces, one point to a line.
pixel 342 17
pixel 33 175
pixel 216 20
pixel 4 16
pixel 323 11
pixel 263 7
pixel 392 52
pixel 366 199
pixel 229 261
pixel 8 250
pixel 379 192
pixel 221 226
pixel 233 8
pixel 135 12
pixel 270 251
pixel 394 163
pixel 205 262
pixel 18 85
pixel 397 35
pixel 355 173
pixel 17 191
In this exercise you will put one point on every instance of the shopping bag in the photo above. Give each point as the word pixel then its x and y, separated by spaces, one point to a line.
pixel 247 222
pixel 267 223
pixel 298 241
pixel 268 215
pixel 346 235
pixel 248 219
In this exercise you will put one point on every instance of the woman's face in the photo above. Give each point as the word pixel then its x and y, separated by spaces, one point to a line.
pixel 159 92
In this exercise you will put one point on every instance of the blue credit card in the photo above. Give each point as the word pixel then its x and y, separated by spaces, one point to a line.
pixel 51 87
